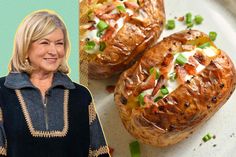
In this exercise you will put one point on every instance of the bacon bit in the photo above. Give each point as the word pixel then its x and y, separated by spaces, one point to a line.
pixel 86 26
pixel 131 5
pixel 181 18
pixel 108 33
pixel 215 72
pixel 193 61
pixel 110 16
pixel 111 150
pixel 181 74
pixel 92 28
pixel 116 26
pixel 112 23
pixel 167 60
pixel 127 18
pixel 110 88
pixel 148 84
pixel 138 19
pixel 191 69
pixel 148 100
pixel 160 83
pixel 104 10
pixel 156 108
pixel 166 64
pixel 200 57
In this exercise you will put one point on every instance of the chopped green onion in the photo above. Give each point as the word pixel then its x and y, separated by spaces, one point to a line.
pixel 90 45
pixel 141 99
pixel 102 46
pixel 173 76
pixel 170 24
pixel 164 90
pixel 134 149
pixel 212 36
pixel 205 45
pixel 121 8
pixel 99 34
pixel 102 26
pixel 207 137
pixel 188 17
pixel 158 98
pixel 157 72
pixel 198 19
pixel 190 25
pixel 181 59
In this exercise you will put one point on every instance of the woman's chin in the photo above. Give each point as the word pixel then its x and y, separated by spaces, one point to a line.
pixel 46 70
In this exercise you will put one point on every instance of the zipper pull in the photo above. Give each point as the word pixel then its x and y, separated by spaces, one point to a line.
pixel 45 111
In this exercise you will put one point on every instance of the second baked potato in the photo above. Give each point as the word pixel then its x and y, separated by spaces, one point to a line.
pixel 175 87
pixel 114 33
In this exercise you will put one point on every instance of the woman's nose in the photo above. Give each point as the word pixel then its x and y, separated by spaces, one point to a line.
pixel 52 49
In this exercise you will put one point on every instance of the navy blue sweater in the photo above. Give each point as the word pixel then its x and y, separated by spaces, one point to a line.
pixel 75 132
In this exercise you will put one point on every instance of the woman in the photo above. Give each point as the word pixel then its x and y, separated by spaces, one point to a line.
pixel 43 113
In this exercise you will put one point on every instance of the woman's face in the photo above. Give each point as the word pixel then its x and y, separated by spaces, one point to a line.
pixel 47 53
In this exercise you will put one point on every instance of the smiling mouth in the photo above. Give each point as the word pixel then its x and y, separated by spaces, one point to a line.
pixel 51 60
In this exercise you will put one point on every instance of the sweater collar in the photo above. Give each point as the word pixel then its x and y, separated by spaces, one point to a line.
pixel 16 80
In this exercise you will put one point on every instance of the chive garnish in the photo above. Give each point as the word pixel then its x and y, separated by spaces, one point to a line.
pixel 181 59
pixel 188 17
pixel 141 99
pixel 158 98
pixel 170 24
pixel 134 149
pixel 164 90
pixel 198 19
pixel 102 46
pixel 205 45
pixel 99 34
pixel 190 25
pixel 207 137
pixel 102 25
pixel 121 8
pixel 90 45
pixel 212 36
pixel 151 71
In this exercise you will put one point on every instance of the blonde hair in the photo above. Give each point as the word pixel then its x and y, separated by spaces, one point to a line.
pixel 35 26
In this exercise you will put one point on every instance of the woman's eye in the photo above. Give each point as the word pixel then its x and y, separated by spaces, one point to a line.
pixel 44 43
pixel 60 43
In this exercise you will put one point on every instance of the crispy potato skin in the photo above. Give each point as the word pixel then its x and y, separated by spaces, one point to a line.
pixel 128 44
pixel 186 108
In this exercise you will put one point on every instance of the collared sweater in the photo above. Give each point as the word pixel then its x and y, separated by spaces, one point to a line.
pixel 63 123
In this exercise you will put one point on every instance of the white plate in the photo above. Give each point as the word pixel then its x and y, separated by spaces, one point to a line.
pixel 219 16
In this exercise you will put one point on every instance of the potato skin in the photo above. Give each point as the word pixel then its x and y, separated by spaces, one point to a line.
pixel 128 44
pixel 187 107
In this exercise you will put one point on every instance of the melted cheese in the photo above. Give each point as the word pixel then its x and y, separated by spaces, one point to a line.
pixel 210 51
pixel 171 85
pixel 120 23
pixel 92 35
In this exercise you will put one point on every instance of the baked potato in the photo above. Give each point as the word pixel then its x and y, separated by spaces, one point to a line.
pixel 175 87
pixel 114 33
